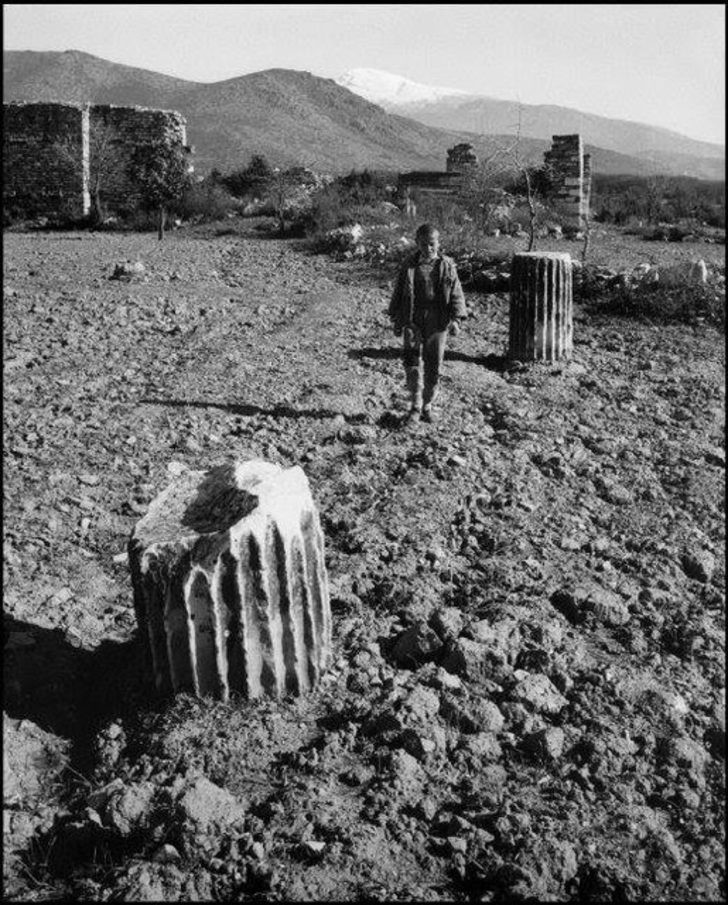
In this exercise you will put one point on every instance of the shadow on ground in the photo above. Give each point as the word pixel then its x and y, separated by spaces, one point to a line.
pixel 67 690
pixel 246 410
pixel 492 362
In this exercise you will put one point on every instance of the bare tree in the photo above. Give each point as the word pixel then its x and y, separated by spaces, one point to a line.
pixel 104 161
pixel 481 191
pixel 506 164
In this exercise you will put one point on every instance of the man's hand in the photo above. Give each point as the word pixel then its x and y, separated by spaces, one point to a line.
pixel 454 328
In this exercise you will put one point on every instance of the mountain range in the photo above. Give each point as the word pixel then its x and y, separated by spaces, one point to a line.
pixel 459 110
pixel 294 117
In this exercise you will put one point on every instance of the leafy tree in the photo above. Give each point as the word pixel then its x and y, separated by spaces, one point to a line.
pixel 162 173
pixel 285 188
pixel 252 180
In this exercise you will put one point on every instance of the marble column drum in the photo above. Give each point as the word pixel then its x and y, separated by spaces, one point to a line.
pixel 541 316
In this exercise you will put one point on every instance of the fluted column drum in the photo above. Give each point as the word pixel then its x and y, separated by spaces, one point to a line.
pixel 541 320
pixel 230 585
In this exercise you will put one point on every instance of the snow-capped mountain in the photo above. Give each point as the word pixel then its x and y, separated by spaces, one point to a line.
pixel 387 89
pixel 462 111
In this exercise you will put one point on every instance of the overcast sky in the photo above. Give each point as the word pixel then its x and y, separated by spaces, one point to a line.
pixel 661 64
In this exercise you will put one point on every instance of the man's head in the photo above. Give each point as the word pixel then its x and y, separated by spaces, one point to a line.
pixel 428 241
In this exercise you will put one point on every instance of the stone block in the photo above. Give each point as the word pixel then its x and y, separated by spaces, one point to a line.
pixel 230 585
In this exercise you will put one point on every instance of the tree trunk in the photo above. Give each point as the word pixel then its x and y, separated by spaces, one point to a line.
pixel 96 215
pixel 541 323
pixel 161 223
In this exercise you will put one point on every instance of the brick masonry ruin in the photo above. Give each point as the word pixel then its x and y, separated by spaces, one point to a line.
pixel 571 178
pixel 50 152
pixel 570 168
pixel 438 182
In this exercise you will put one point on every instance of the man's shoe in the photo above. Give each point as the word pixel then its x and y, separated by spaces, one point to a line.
pixel 428 415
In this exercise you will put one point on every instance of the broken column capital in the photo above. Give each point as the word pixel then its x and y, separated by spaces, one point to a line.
pixel 230 585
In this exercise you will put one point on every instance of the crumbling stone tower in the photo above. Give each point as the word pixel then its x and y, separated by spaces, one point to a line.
pixel 571 178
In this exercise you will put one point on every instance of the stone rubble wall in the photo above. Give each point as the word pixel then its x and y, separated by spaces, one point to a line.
pixel 571 175
pixel 40 181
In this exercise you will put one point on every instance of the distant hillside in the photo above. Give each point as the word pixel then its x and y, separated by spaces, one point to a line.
pixel 74 77
pixel 291 117
pixel 478 113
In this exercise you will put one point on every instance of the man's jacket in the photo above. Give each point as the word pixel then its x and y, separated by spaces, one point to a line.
pixel 449 299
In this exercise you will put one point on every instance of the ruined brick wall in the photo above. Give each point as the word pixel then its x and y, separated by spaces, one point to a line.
pixel 571 177
pixel 40 181
pixel 45 159
pixel 115 132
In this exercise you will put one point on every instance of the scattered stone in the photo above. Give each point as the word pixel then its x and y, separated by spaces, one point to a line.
pixel 422 704
pixel 546 744
pixel 406 771
pixel 466 658
pixel 472 714
pixel 482 745
pixel 127 270
pixel 590 598
pixel 456 844
pixel 203 807
pixel 166 854
pixel 699 565
pixel 31 758
pixel 127 808
pixel 606 606
pixel 502 638
pixel 446 680
pixel 447 622
pixel 313 847
pixel 684 752
pixel 415 646
pixel 537 692
pixel 426 808
pixel 612 491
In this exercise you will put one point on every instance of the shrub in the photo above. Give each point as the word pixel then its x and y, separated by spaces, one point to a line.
pixel 206 200
pixel 337 205
pixel 251 180
pixel 685 304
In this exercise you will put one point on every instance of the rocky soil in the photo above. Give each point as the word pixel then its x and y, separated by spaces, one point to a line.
pixel 527 698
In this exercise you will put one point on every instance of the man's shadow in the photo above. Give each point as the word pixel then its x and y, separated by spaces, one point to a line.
pixel 497 363
pixel 247 410
pixel 66 690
